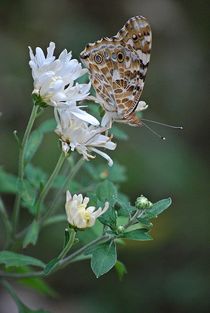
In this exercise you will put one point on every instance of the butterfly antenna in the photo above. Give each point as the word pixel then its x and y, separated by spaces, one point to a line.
pixel 162 124
pixel 152 131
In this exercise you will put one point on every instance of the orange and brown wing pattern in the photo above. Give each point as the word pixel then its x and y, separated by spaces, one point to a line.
pixel 118 68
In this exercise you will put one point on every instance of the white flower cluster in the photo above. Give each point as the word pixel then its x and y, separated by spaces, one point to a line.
pixel 55 82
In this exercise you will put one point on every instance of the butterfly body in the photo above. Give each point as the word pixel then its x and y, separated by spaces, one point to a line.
pixel 118 66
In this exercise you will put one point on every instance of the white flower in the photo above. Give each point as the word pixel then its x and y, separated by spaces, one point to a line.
pixel 78 135
pixel 54 78
pixel 71 109
pixel 78 214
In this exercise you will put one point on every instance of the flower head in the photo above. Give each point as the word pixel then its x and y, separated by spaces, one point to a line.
pixel 143 203
pixel 54 78
pixel 79 135
pixel 78 214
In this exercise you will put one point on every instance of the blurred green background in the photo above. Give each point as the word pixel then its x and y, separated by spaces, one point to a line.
pixel 171 273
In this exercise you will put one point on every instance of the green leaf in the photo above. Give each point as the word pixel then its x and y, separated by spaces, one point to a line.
pixel 138 234
pixel 96 172
pixel 158 208
pixel 103 258
pixel 47 126
pixel 145 222
pixel 8 182
pixel 109 218
pixel 32 234
pixel 124 208
pixel 39 285
pixel 120 269
pixel 35 175
pixel 106 191
pixel 15 259
pixel 117 173
pixel 118 133
pixel 28 196
pixel 36 138
pixel 34 142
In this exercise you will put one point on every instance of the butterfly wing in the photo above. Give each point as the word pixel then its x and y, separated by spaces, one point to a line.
pixel 118 67
pixel 137 35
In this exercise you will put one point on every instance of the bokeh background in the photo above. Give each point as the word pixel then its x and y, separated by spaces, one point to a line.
pixel 171 273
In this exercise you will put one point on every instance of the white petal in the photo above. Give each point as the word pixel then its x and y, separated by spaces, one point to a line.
pixel 86 200
pixel 50 50
pixel 68 196
pixel 85 117
pixel 40 57
pixel 104 155
pixel 106 120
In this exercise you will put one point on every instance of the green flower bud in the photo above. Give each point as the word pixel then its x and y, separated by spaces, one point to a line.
pixel 143 203
pixel 120 229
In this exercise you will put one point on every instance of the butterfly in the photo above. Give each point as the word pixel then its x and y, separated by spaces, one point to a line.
pixel 118 67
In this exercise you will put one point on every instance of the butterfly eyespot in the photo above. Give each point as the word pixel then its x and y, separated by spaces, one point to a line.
pixel 120 57
pixel 134 37
pixel 98 58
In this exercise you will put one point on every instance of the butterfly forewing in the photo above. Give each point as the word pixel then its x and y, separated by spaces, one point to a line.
pixel 118 67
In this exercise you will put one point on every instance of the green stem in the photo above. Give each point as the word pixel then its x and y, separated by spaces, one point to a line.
pixel 132 221
pixel 62 190
pixel 6 223
pixel 68 245
pixel 49 183
pixel 16 210
pixel 11 291
pixel 21 275
pixel 62 263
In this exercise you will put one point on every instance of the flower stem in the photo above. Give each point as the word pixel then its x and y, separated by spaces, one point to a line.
pixel 21 275
pixel 132 220
pixel 49 183
pixel 62 263
pixel 62 190
pixel 6 222
pixel 16 210
pixel 69 245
